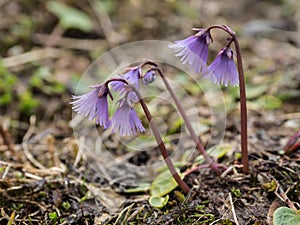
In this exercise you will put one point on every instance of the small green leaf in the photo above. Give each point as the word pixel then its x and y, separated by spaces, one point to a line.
pixel 236 192
pixel 180 196
pixel 163 184
pixel 286 216
pixel 176 125
pixel 66 205
pixel 70 17
pixel 269 102
pixel 5 98
pixel 7 84
pixel 270 186
pixel 27 102
pixel 158 202
pixel 53 216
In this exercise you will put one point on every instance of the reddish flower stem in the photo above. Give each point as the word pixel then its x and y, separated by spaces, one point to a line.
pixel 157 136
pixel 161 144
pixel 243 100
pixel 243 105
pixel 291 144
pixel 197 168
pixel 193 135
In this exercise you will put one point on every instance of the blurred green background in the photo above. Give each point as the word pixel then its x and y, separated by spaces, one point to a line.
pixel 47 45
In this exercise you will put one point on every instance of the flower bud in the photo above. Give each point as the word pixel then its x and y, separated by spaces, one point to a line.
pixel 149 77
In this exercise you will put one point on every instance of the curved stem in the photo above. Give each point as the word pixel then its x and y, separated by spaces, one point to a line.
pixel 292 142
pixel 243 105
pixel 148 62
pixel 243 101
pixel 193 135
pixel 161 144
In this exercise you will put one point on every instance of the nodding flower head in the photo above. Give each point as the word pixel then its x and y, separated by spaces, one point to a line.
pixel 125 121
pixel 223 69
pixel 132 76
pixel 194 50
pixel 93 104
pixel 149 77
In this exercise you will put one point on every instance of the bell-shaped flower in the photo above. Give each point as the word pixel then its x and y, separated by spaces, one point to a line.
pixel 93 104
pixel 223 69
pixel 125 121
pixel 194 50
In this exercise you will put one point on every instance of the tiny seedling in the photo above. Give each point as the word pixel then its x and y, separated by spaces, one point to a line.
pixel 53 216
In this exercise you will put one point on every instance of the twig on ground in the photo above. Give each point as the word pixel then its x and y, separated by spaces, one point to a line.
pixel 31 56
pixel 6 171
pixel 26 137
pixel 230 169
pixel 33 176
pixel 283 195
pixel 233 210
pixel 71 43
pixel 7 138
pixel 289 116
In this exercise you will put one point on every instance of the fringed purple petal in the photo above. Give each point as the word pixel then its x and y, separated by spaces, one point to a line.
pixel 193 50
pixel 223 69
pixel 86 104
pixel 102 117
pixel 125 121
pixel 135 122
pixel 93 107
pixel 120 120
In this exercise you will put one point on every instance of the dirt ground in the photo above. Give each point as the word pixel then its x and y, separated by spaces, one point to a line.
pixel 44 176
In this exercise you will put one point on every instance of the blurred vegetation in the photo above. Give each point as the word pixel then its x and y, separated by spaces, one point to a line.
pixel 70 17
pixel 7 83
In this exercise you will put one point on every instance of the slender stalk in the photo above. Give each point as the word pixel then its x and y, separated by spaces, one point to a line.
pixel 243 101
pixel 193 135
pixel 161 144
pixel 243 105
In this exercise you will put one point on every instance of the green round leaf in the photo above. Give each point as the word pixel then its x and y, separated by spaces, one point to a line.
pixel 163 184
pixel 286 216
pixel 158 202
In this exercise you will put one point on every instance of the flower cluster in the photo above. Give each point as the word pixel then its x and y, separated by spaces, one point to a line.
pixel 94 104
pixel 194 50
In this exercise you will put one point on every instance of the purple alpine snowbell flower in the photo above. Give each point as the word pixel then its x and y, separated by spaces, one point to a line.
pixel 194 50
pixel 93 104
pixel 132 77
pixel 125 120
pixel 223 69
